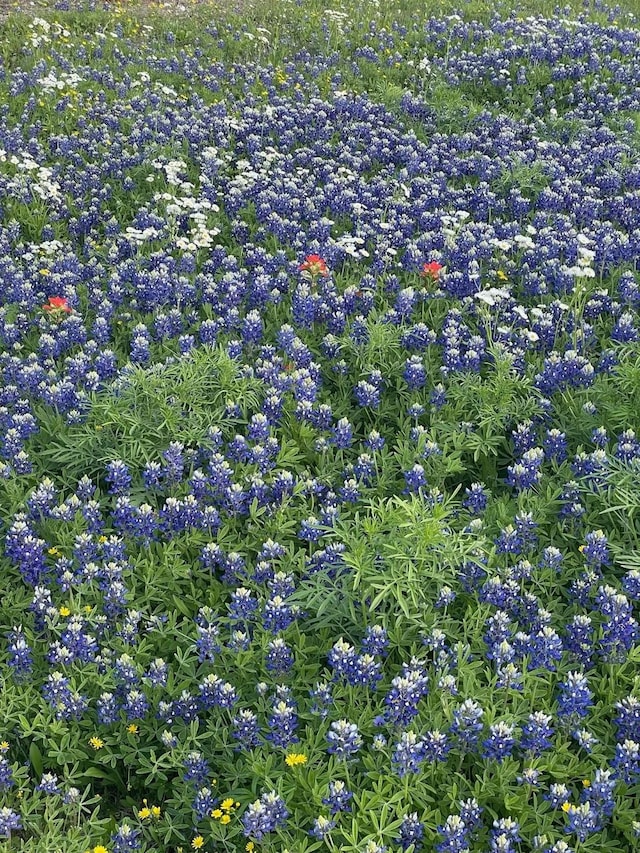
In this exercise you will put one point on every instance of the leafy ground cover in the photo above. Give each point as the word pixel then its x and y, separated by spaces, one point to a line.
pixel 319 428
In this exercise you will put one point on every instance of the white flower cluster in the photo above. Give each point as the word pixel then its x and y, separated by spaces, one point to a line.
pixel 184 202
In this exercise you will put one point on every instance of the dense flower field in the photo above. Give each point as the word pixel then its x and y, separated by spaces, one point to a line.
pixel 319 431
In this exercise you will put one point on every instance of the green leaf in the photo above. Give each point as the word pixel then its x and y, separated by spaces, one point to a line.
pixel 35 757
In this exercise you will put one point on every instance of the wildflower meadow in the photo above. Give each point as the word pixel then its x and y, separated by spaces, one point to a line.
pixel 320 427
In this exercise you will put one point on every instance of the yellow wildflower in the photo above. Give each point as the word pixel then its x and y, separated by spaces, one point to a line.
pixel 100 849
pixel 225 818
pixel 566 807
pixel 4 745
pixel 216 814
pixel 250 846
pixel 144 813
pixel 586 783
pixel 132 729
pixel 96 742
pixel 197 842
pixel 156 811
pixel 295 759
pixel 227 804
pixel 64 611
pixel 54 552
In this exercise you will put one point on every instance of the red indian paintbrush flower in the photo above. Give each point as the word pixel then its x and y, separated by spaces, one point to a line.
pixel 57 305
pixel 314 265
pixel 432 270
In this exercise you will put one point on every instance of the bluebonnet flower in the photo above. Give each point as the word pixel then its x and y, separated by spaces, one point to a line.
pixel 277 615
pixel 125 838
pixel 537 733
pixel 6 775
pixel 529 776
pixel 545 649
pixel 20 654
pixel 367 395
pixel 196 768
pixel 246 729
pixel 504 836
pixel 10 821
pixel 526 473
pixel 466 726
pixel 555 445
pixel 626 762
pixel 575 697
pixel 342 659
pixel 264 816
pixel 404 696
pixel 374 441
pixel 435 746
pixel 203 803
pixel 584 739
pixel 344 739
pixel 455 836
pixel 282 724
pixel 414 373
pixel 338 799
pixel 415 479
pixel 322 826
pixel 279 657
pixel 471 814
pixel 376 641
pixel 157 673
pixel 342 434
pixel 596 551
pixel 476 498
pixel 411 832
pixel 628 718
pixel 48 784
pixel 582 820
pixel 118 477
pixel 501 741
pixel 558 795
pixel 409 754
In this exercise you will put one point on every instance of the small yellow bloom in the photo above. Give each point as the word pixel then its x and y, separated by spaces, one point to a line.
pixel 96 742
pixel 566 807
pixel 295 759
pixel 44 271
pixel 249 846
pixel 501 275
pixel 216 814
pixel 100 849
pixel 586 783
pixel 581 548
pixel 197 842
pixel 102 539
pixel 156 811
pixel 64 611
pixel 227 804
pixel 144 813
pixel 4 746
pixel 225 818
pixel 132 729
pixel 53 551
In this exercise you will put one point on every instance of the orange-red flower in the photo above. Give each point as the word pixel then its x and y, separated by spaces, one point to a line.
pixel 432 270
pixel 315 266
pixel 57 305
